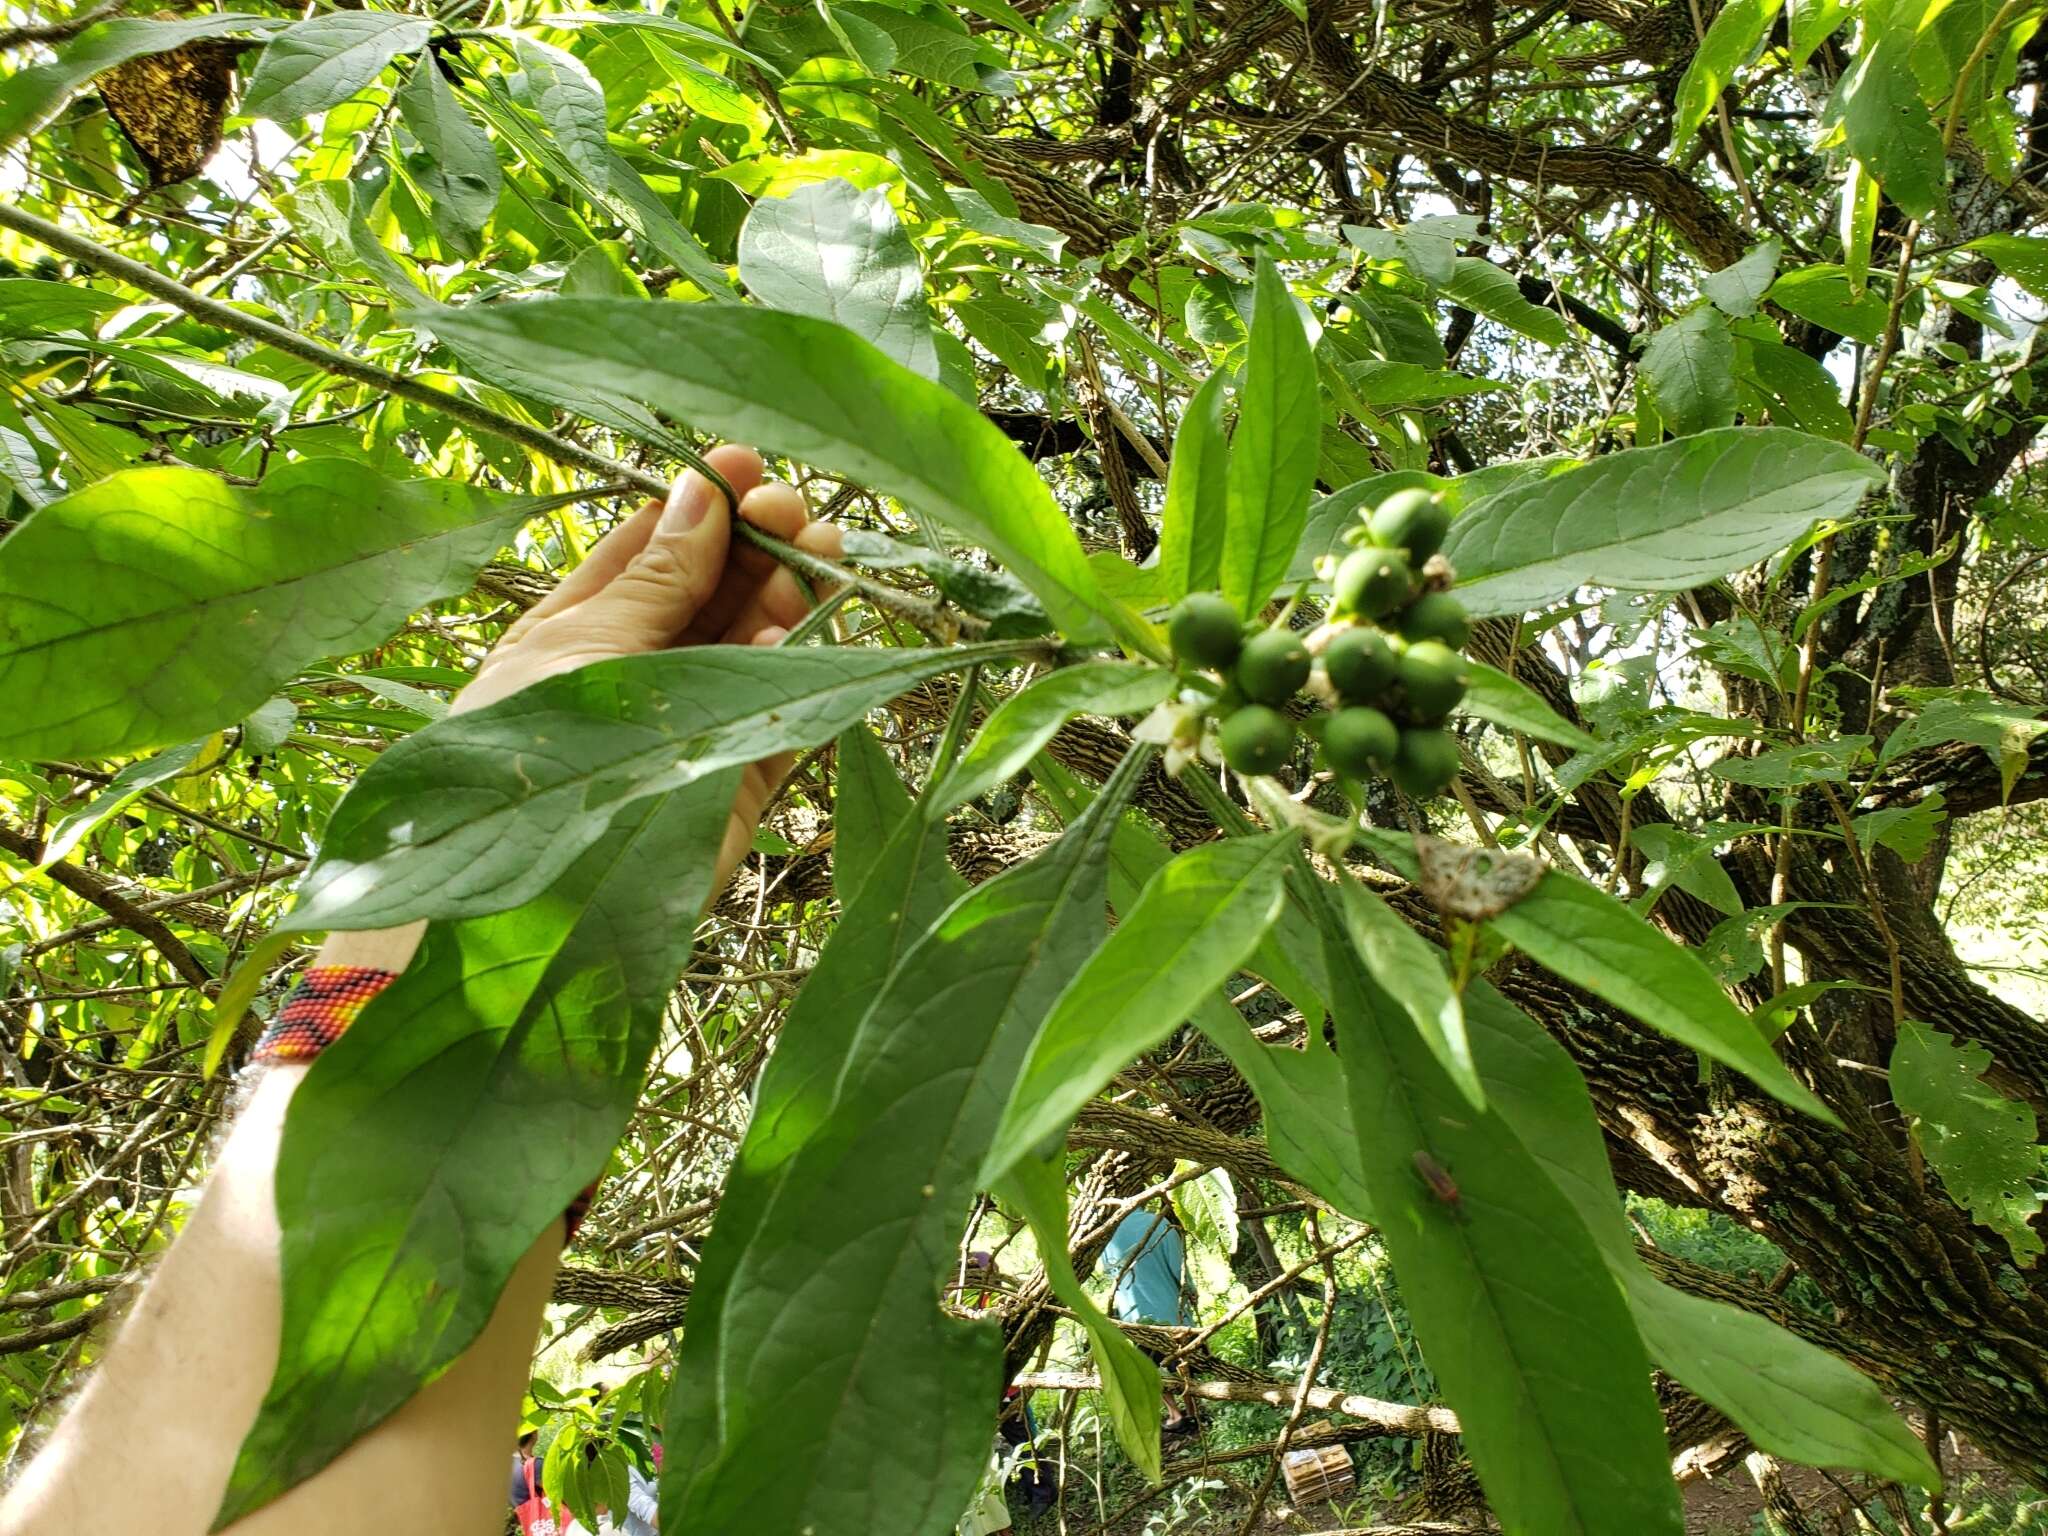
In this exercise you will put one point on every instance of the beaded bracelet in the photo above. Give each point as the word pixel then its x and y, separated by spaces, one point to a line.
pixel 321 1005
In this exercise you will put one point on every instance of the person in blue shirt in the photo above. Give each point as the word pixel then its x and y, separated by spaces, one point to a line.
pixel 1147 1258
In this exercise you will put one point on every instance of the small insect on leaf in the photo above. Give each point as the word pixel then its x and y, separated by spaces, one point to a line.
pixel 1440 1182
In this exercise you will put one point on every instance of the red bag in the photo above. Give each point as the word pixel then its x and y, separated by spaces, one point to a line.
pixel 533 1514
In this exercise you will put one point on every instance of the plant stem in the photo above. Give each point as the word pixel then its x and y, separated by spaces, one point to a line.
pixel 935 619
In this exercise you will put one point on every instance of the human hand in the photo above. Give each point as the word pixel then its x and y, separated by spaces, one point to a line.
pixel 672 574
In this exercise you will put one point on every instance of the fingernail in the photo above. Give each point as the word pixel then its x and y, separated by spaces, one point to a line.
pixel 688 500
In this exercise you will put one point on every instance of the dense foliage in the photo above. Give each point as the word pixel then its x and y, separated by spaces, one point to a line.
pixel 330 339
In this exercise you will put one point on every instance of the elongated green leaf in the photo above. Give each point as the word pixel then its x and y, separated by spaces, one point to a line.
pixel 1507 702
pixel 125 786
pixel 1800 392
pixel 321 62
pixel 838 253
pixel 1570 926
pixel 1811 23
pixel 1652 519
pixel 1029 718
pixel 1730 41
pixel 411 1179
pixel 1860 198
pixel 2023 258
pixel 570 101
pixel 827 1336
pixel 810 390
pixel 1409 971
pixel 1980 1142
pixel 33 96
pixel 456 167
pixel 1191 527
pixel 680 30
pixel 1130 1382
pixel 480 812
pixel 1194 924
pixel 1272 465
pixel 1688 367
pixel 869 803
pixel 1793 1398
pixel 1484 289
pixel 160 603
pixel 1888 128
pixel 1525 1328
pixel 1826 295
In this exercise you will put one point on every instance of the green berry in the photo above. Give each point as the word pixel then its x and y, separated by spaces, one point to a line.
pixel 1433 679
pixel 1205 631
pixel 1372 583
pixel 1257 739
pixel 1411 520
pixel 1425 761
pixel 1273 666
pixel 1360 665
pixel 1436 616
pixel 1360 741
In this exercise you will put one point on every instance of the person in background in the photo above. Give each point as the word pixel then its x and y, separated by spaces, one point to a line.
pixel 1148 1261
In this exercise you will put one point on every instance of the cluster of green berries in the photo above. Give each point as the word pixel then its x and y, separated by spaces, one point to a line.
pixel 1393 669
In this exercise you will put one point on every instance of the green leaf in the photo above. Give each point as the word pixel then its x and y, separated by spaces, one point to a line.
pixel 1824 294
pixel 836 252
pixel 1887 126
pixel 1792 1398
pixel 457 167
pixel 1379 382
pixel 1484 289
pixel 1272 465
pixel 807 389
pixel 2005 732
pixel 1908 830
pixel 1026 720
pixel 1194 924
pixel 1192 524
pixel 160 603
pixel 1130 1382
pixel 1652 519
pixel 122 789
pixel 1507 702
pixel 869 804
pixel 1410 971
pixel 1738 289
pixel 1012 612
pixel 480 812
pixel 1511 1301
pixel 826 1335
pixel 1827 760
pixel 36 94
pixel 681 31
pixel 1811 23
pixel 1982 1143
pixel 1011 331
pixel 2023 258
pixel 1577 930
pixel 1860 198
pixel 570 101
pixel 1729 44
pixel 325 216
pixel 320 63
pixel 411 1178
pixel 30 304
pixel 1688 368
pixel 1673 857
pixel 1799 391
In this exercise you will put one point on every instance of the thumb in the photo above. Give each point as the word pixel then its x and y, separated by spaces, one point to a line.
pixel 650 602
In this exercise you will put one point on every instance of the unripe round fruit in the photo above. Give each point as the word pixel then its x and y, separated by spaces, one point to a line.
pixel 1205 631
pixel 1436 616
pixel 1372 583
pixel 1360 665
pixel 1273 666
pixel 1257 739
pixel 1433 679
pixel 1413 520
pixel 1425 761
pixel 1360 741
